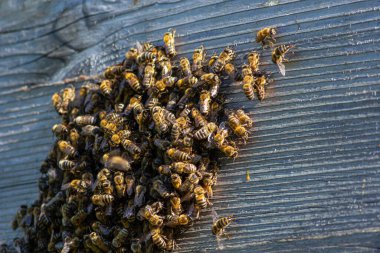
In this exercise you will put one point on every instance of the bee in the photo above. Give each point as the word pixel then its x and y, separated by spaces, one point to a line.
pixel 260 84
pixel 171 243
pixel 160 188
pixel 133 102
pixel 175 205
pixel 118 163
pixel 215 109
pixel 130 183
pixel 220 136
pixel 68 95
pixel 102 199
pixel 237 127
pixel 156 220
pixel 169 43
pixel 164 169
pixel 204 102
pixel 178 155
pixel 184 64
pixel 266 35
pixel 60 130
pixel 133 82
pixel 149 73
pixel 220 225
pixel 163 84
pixel 66 164
pixel 199 120
pixel 131 54
pixel 100 228
pixel 106 87
pixel 131 148
pixel 177 220
pixel 201 201
pixel 90 130
pixel 56 100
pixel 152 101
pixel 140 191
pixel 244 118
pixel 176 181
pixel 66 148
pixel 79 217
pixel 190 182
pixel 113 71
pixel 183 168
pixel 85 120
pixel 208 182
pixel 99 242
pixel 212 60
pixel 187 82
pixel 74 138
pixel 161 125
pixel 178 128
pixel 229 151
pixel 205 131
pixel 120 238
pixel 166 67
pixel 226 56
pixel 253 61
pixel 247 85
pixel 71 244
pixel 278 57
pixel 172 101
pixel 188 94
pixel 145 56
pixel 157 238
pixel 199 56
pixel 230 70
pixel 119 184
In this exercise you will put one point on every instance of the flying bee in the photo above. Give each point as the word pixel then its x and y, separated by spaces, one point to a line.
pixel 60 130
pixel 177 220
pixel 161 125
pixel 199 120
pixel 184 64
pixel 237 127
pixel 176 181
pixel 205 131
pixel 133 82
pixel 85 120
pixel 266 36
pixel 278 57
pixel 186 82
pixel 102 199
pixel 201 201
pixel 183 168
pixel 160 188
pixel 66 148
pixel 169 43
pixel 106 87
pixel 199 56
pixel 166 67
pixel 260 84
pixel 178 155
pixel 56 100
pixel 229 151
pixel 120 184
pixel 131 148
pixel 226 56
pixel 163 84
pixel 214 82
pixel 220 225
pixel 204 102
pixel 244 118
pixel 254 61
pixel 247 85
pixel 149 73
pixel 120 238
pixel 157 238
pixel 118 163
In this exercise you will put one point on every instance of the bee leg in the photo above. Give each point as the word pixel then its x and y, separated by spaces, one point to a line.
pixel 285 60
pixel 209 203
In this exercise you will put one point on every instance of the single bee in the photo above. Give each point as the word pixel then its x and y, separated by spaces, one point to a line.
pixel 171 243
pixel 172 101
pixel 169 43
pixel 155 220
pixel 120 238
pixel 178 155
pixel 66 148
pixel 204 102
pixel 85 120
pixel 130 185
pixel 120 184
pixel 157 238
pixel 254 61
pixel 176 181
pixel 187 82
pixel 140 191
pixel 106 87
pixel 220 225
pixel 190 182
pixel 79 217
pixel 247 176
pixel 215 110
pixel 101 229
pixel 149 73
pixel 229 151
pixel 266 36
pixel 161 125
pixel 177 220
pixel 244 118
pixel 220 136
pixel 205 131
pixel 207 182
pixel 90 130
pixel 131 148
pixel 212 60
pixel 160 188
pixel 66 164
pixel 199 56
pixel 165 170
pixel 133 82
pixel 99 242
pixel 260 84
pixel 189 93
pixel 166 67
pixel 162 85
pixel 199 120
pixel 70 245
pixel 237 127
pixel 247 85
pixel 214 82
pixel 278 57
pixel 178 128
pixel 183 168
pixel 102 200
pixel 184 64
pixel 152 101
pixel 118 163
pixel 230 70
pixel 175 206
pixel 113 72
pixel 225 57
pixel 201 201
pixel 74 138
pixel 131 54
pixel 60 130
pixel 135 101
pixel 56 100
pixel 68 95
pixel 144 57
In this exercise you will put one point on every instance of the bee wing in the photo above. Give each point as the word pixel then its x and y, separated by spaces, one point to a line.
pixel 65 186
pixel 139 47
pixel 210 138
pixel 214 215
pixel 281 67
pixel 222 126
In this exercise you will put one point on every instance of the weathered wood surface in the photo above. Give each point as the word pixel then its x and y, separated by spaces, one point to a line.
pixel 314 154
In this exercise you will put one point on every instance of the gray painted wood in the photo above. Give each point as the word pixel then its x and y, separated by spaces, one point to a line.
pixel 313 155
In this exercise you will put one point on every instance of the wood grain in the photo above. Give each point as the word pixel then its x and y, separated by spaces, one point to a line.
pixel 314 155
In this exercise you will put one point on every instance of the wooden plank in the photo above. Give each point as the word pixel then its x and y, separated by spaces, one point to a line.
pixel 313 156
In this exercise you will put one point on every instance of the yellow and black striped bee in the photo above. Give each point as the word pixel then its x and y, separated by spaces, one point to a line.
pixel 248 82
pixel 199 56
pixel 200 198
pixel 149 73
pixel 260 84
pixel 178 155
pixel 244 118
pixel 219 225
pixel 278 57
pixel 158 238
pixel 226 56
pixel 106 87
pixel 254 61
pixel 266 36
pixel 204 102
pixel 169 43
pixel 133 82
pixel 184 64
pixel 205 131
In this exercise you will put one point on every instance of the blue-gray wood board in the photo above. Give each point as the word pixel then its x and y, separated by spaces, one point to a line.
pixel 314 152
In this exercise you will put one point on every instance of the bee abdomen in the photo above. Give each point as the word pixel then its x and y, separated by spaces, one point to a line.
pixel 66 164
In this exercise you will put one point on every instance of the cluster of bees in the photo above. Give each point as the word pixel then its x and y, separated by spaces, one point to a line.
pixel 135 157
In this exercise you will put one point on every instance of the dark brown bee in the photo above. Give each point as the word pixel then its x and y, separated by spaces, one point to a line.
pixel 278 57
pixel 266 36
pixel 120 238
pixel 169 43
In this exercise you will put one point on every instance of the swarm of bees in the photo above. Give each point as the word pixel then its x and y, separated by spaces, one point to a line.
pixel 136 155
